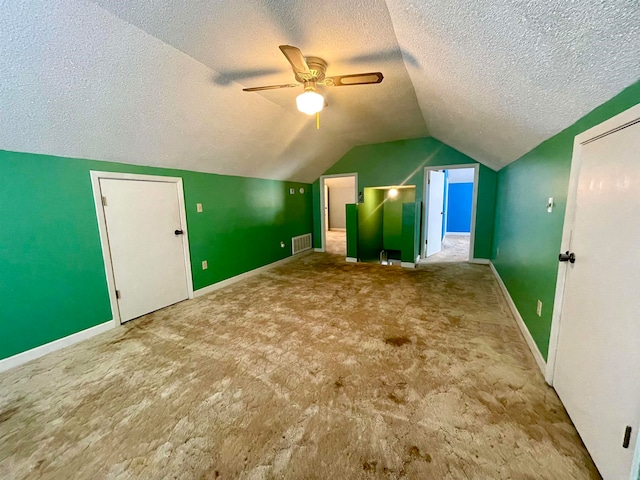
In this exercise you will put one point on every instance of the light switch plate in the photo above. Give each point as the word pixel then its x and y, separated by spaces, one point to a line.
pixel 205 265
pixel 199 207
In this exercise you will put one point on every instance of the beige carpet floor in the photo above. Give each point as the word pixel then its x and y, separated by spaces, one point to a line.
pixel 336 242
pixel 316 369
pixel 455 248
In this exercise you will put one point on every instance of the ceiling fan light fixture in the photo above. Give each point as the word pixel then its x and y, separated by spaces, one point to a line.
pixel 310 102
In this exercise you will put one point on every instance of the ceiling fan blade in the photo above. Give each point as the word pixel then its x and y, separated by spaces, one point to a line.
pixel 270 87
pixel 355 79
pixel 297 61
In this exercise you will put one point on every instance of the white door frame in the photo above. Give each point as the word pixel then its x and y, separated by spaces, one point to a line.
pixel 607 127
pixel 323 201
pixel 474 202
pixel 104 238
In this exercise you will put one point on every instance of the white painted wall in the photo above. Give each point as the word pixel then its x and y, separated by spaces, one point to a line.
pixel 460 175
pixel 338 198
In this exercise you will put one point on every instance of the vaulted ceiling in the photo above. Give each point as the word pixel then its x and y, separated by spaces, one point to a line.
pixel 159 82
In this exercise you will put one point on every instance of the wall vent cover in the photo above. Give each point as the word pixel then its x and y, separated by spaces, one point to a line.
pixel 300 243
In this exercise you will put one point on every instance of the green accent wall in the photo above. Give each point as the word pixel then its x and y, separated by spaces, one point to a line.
pixel 370 225
pixel 402 163
pixel 352 230
pixel 51 267
pixel 392 218
pixel 408 243
pixel 527 236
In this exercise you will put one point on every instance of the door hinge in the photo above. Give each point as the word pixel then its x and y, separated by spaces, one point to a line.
pixel 117 293
pixel 104 201
pixel 429 181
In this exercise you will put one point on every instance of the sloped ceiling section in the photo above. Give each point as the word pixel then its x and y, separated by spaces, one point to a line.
pixel 159 82
pixel 495 78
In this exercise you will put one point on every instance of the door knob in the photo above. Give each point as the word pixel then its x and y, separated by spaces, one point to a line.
pixel 178 232
pixel 567 257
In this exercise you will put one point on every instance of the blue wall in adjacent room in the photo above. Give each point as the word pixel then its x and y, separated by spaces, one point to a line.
pixel 459 207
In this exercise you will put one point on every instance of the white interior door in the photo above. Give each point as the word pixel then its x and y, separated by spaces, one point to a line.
pixel 146 253
pixel 597 370
pixel 434 212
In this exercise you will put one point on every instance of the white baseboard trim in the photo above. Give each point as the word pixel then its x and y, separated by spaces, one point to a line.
pixel 480 261
pixel 337 229
pixel 523 328
pixel 407 265
pixel 352 260
pixel 462 234
pixel 250 273
pixel 318 250
pixel 37 352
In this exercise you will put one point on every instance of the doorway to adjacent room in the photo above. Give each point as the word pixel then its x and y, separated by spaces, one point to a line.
pixel 336 192
pixel 449 213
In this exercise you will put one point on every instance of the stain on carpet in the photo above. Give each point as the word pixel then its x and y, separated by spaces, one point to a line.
pixel 397 341
pixel 6 414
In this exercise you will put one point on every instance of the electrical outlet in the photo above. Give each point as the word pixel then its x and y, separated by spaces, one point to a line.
pixel 282 245
pixel 205 265
pixel 199 207
pixel 539 308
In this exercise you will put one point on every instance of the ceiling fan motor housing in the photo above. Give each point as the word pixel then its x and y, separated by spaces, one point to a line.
pixel 317 67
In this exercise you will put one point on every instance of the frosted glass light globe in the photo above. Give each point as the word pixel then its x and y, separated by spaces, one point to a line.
pixel 310 102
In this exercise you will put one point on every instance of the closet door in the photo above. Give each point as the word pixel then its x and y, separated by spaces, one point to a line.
pixel 597 370
pixel 146 244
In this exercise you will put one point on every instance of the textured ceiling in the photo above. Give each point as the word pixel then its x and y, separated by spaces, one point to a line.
pixel 158 82
pixel 495 78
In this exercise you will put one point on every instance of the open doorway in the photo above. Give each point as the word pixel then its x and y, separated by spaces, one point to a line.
pixel 449 214
pixel 336 192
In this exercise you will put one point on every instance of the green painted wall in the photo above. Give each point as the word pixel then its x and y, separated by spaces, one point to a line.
pixel 402 163
pixel 370 224
pixel 392 219
pixel 352 230
pixel 408 240
pixel 528 238
pixel 51 267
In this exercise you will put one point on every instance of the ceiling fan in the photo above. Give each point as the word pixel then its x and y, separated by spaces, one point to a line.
pixel 310 72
